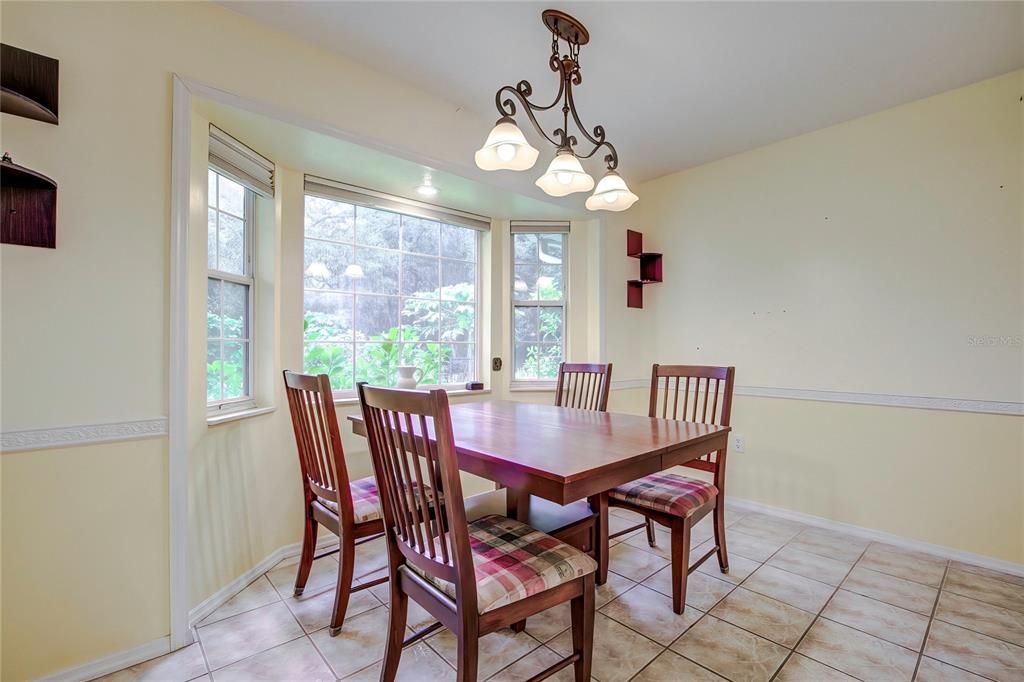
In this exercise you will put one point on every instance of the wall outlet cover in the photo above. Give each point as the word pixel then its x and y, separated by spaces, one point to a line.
pixel 739 442
pixel 496 364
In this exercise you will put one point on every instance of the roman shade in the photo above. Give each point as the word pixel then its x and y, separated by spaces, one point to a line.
pixel 536 226
pixel 241 163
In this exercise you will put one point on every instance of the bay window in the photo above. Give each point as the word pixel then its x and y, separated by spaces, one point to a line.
pixel 539 281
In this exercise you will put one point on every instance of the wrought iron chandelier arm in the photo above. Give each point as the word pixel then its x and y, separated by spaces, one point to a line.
pixel 522 91
pixel 597 139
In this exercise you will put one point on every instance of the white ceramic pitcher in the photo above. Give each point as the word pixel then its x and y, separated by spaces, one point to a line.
pixel 409 376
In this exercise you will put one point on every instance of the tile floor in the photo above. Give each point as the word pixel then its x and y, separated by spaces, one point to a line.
pixel 801 604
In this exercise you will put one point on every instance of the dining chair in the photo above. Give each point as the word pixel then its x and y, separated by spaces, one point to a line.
pixel 349 509
pixel 473 577
pixel 583 386
pixel 674 501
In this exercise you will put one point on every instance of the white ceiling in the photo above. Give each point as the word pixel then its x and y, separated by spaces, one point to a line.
pixel 677 84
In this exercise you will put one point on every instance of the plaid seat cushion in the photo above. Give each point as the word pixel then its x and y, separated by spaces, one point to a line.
pixel 669 493
pixel 366 500
pixel 514 561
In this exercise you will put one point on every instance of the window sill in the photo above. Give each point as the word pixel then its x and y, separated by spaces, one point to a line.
pixel 214 420
pixel 457 393
pixel 540 387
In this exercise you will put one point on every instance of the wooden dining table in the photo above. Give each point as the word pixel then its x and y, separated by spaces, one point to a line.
pixel 558 463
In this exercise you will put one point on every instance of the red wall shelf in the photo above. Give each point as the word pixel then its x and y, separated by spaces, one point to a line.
pixel 650 269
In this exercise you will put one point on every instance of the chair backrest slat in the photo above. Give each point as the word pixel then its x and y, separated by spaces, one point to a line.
pixel 673 380
pixel 583 386
pixel 414 460
pixel 318 440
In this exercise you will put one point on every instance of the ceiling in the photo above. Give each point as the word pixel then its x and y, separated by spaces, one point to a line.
pixel 336 159
pixel 677 84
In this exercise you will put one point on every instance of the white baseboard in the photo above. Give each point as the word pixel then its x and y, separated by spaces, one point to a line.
pixel 218 598
pixel 112 663
pixel 879 536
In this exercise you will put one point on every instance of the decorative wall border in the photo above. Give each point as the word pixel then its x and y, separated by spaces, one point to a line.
pixel 879 399
pixel 86 434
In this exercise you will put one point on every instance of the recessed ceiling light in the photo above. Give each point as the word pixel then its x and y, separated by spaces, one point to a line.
pixel 427 189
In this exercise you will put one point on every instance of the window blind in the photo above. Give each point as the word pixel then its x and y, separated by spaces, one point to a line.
pixel 535 226
pixel 331 189
pixel 240 163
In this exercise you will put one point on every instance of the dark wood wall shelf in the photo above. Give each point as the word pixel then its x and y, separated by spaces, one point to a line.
pixel 28 205
pixel 28 84
pixel 650 269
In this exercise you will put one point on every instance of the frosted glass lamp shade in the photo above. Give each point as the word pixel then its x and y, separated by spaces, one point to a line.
pixel 611 194
pixel 506 148
pixel 565 175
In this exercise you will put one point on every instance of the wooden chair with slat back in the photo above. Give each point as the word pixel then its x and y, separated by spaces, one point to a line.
pixel 473 577
pixel 696 394
pixel 349 509
pixel 583 386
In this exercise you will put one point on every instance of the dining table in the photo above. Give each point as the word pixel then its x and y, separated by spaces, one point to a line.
pixel 557 464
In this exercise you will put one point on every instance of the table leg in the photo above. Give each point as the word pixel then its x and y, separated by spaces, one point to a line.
pixel 599 505
pixel 517 506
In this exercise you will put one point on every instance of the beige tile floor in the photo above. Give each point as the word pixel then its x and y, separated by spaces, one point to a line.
pixel 800 604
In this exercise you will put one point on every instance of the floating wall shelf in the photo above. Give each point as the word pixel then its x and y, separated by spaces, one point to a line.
pixel 28 204
pixel 650 269
pixel 28 84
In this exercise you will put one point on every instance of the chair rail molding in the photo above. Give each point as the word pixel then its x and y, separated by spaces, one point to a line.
pixel 83 434
pixel 879 399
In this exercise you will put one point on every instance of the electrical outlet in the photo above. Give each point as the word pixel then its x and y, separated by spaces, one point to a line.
pixel 496 364
pixel 739 442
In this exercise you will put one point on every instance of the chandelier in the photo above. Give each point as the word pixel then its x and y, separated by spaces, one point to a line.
pixel 506 147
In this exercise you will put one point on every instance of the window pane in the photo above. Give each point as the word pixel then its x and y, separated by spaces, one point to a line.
pixel 549 283
pixel 552 247
pixel 420 319
pixel 328 317
pixel 458 280
pixel 379 271
pixel 537 361
pixel 550 325
pixel 525 248
pixel 525 364
pixel 420 235
pixel 231 244
pixel 426 356
pixel 376 318
pixel 457 365
pixel 326 219
pixel 377 228
pixel 230 196
pixel 325 265
pixel 378 363
pixel 236 360
pixel 457 322
pixel 524 284
pixel 458 242
pixel 332 359
pixel 235 307
pixel 419 276
pixel 213 321
pixel 213 393
pixel 525 324
pixel 211 239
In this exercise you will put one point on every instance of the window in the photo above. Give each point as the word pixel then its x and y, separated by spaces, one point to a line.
pixel 538 301
pixel 229 293
pixel 385 288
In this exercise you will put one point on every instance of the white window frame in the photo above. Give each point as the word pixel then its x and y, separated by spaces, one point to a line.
pixel 248 401
pixel 563 303
pixel 381 201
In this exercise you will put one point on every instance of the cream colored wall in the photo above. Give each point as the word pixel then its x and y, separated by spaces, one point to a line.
pixel 859 258
pixel 85 553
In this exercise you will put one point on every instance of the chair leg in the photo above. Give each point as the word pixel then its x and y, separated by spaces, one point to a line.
pixel 469 643
pixel 396 631
pixel 652 539
pixel 719 524
pixel 346 567
pixel 680 562
pixel 582 612
pixel 306 559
